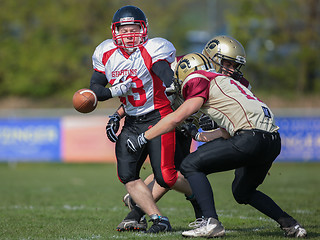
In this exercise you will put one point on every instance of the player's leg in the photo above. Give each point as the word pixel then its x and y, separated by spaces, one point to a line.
pixel 214 156
pixel 161 151
pixel 129 166
pixel 183 144
pixel 247 179
pixel 156 190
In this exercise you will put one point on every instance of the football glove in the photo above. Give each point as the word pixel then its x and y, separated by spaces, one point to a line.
pixel 113 127
pixel 134 144
pixel 189 129
pixel 121 89
pixel 171 88
pixel 206 123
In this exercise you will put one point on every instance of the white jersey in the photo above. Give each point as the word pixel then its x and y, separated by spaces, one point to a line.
pixel 148 91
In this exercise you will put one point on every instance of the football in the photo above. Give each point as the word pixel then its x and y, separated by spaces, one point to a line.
pixel 84 100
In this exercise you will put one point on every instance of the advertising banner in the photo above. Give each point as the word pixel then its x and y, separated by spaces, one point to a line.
pixel 300 138
pixel 30 139
pixel 83 139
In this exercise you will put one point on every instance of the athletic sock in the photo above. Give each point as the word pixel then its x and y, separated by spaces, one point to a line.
pixel 136 214
pixel 195 205
pixel 286 220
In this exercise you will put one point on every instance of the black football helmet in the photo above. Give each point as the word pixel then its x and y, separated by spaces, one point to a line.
pixel 125 16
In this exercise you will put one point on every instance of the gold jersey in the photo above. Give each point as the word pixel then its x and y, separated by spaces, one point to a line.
pixel 230 104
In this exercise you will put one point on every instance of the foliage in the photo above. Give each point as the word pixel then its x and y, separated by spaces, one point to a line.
pixel 46 46
pixel 282 39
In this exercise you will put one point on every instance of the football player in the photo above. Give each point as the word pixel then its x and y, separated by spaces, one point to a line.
pixel 247 141
pixel 138 70
pixel 135 220
pixel 230 56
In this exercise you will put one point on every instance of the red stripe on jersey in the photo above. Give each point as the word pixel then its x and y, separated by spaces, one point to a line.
pixel 107 55
pixel 168 142
pixel 125 54
pixel 160 99
pixel 99 71
pixel 245 114
pixel 244 82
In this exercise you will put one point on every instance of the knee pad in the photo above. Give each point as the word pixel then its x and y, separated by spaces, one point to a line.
pixel 167 178
pixel 126 178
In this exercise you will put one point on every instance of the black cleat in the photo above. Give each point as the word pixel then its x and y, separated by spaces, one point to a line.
pixel 133 225
pixel 160 224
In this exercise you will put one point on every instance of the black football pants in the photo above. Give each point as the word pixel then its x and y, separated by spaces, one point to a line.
pixel 251 153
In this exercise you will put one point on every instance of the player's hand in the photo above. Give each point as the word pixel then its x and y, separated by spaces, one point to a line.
pixel 121 89
pixel 134 144
pixel 171 88
pixel 189 129
pixel 113 127
pixel 206 123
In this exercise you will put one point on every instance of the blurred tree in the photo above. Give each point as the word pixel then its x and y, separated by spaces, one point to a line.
pixel 282 41
pixel 46 46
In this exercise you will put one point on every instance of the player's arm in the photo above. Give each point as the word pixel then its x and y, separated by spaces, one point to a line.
pixel 166 124
pixel 98 84
pixel 163 70
pixel 173 119
pixel 211 135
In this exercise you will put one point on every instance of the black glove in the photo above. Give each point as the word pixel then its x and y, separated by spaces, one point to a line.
pixel 206 123
pixel 189 129
pixel 134 144
pixel 113 127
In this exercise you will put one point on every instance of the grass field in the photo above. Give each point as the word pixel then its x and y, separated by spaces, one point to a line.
pixel 83 201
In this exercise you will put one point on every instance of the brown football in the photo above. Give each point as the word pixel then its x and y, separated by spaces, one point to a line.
pixel 84 100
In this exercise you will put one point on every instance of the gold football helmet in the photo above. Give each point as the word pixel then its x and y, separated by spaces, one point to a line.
pixel 188 64
pixel 226 48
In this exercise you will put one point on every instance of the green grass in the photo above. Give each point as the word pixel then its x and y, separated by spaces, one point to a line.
pixel 83 201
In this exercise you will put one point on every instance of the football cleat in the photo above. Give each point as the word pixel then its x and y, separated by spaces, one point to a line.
pixel 160 224
pixel 128 201
pixel 133 225
pixel 205 227
pixel 295 230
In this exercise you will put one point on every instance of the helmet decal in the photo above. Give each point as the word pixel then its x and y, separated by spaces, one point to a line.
pixel 212 44
pixel 222 48
pixel 190 63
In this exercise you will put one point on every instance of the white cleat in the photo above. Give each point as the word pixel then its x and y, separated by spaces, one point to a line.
pixel 206 227
pixel 296 231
